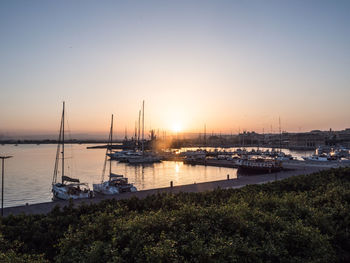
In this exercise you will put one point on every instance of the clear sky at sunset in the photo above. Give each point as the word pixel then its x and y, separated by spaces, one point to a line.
pixel 229 64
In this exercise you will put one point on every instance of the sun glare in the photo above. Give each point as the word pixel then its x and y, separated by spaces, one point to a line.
pixel 176 127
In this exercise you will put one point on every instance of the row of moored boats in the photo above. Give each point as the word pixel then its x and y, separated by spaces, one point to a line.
pixel 72 188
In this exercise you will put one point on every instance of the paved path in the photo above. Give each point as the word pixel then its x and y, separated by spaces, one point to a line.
pixel 241 181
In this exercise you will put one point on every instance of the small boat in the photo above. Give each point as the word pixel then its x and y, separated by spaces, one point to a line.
pixel 259 165
pixel 316 158
pixel 195 155
pixel 125 155
pixel 69 188
pixel 116 183
pixel 284 157
pixel 73 190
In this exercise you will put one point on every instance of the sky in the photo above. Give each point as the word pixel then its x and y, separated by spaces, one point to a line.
pixel 232 65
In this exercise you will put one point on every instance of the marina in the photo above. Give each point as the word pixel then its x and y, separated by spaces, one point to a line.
pixel 30 182
pixel 240 162
pixel 140 154
pixel 175 131
pixel 236 182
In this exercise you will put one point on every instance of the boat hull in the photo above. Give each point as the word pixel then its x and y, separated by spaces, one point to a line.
pixel 252 166
pixel 105 189
pixel 125 189
pixel 63 192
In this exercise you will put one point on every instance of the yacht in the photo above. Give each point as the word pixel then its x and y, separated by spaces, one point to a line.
pixel 116 183
pixel 259 165
pixel 68 188
pixel 316 158
pixel 284 157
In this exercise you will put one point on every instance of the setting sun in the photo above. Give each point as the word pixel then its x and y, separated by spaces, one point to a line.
pixel 176 127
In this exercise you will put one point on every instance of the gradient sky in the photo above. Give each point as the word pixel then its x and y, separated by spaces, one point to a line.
pixel 230 64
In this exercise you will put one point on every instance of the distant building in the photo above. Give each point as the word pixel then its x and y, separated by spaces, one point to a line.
pixel 307 141
pixel 341 138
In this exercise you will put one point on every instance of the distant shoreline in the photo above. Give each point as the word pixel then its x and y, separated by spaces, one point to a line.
pixel 74 141
pixel 118 144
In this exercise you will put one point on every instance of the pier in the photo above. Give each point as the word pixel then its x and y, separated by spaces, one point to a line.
pixel 212 162
pixel 293 169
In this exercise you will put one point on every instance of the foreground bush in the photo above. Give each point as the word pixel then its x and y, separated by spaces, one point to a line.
pixel 300 219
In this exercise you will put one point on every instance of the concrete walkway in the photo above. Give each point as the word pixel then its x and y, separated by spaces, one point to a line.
pixel 241 181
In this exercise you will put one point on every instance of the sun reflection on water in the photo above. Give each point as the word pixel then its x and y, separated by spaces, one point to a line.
pixel 177 168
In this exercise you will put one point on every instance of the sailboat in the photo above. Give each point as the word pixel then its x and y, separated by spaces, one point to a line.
pixel 116 183
pixel 68 188
pixel 143 158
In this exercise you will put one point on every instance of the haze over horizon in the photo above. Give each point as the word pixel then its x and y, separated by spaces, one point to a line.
pixel 228 64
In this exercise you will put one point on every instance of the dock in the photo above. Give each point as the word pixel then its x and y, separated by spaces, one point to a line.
pixel 212 162
pixel 294 169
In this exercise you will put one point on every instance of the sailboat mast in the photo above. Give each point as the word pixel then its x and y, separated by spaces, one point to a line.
pixel 63 142
pixel 58 152
pixel 110 147
pixel 138 135
pixel 135 134
pixel 279 122
pixel 143 126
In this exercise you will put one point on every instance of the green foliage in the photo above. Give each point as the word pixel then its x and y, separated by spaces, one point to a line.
pixel 9 253
pixel 300 219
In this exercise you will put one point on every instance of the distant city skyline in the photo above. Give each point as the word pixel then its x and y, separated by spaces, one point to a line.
pixel 118 135
pixel 232 65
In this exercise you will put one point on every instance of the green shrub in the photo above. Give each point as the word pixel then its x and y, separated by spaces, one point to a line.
pixel 300 219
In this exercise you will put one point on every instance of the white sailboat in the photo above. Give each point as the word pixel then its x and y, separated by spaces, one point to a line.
pixel 69 188
pixel 116 183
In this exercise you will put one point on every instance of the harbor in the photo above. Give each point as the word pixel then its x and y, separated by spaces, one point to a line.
pixel 30 182
pixel 143 150
pixel 295 168
pixel 175 131
pixel 246 166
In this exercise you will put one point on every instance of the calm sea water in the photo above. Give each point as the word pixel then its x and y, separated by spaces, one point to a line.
pixel 28 175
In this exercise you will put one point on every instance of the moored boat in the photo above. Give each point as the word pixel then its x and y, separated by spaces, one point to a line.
pixel 116 183
pixel 259 165
pixel 316 158
pixel 69 188
pixel 142 157
pixel 66 191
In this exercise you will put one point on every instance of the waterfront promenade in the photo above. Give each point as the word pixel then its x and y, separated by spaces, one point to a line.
pixel 293 169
